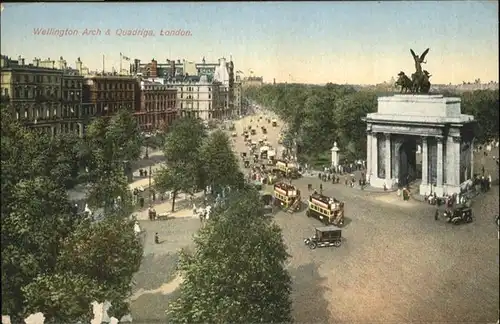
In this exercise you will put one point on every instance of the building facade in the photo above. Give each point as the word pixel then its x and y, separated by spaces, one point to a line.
pixel 43 95
pixel 195 98
pixel 158 106
pixel 107 94
pixel 172 68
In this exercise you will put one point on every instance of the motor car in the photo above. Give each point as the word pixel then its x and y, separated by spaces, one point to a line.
pixel 325 236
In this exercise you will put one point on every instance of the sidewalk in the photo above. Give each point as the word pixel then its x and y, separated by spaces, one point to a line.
pixel 166 207
pixel 144 182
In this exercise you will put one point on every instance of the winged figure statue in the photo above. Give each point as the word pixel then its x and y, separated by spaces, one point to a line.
pixel 419 60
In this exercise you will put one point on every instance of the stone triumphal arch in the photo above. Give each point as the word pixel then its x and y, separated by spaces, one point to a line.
pixel 423 138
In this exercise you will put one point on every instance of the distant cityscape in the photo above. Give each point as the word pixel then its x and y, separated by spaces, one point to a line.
pixel 54 97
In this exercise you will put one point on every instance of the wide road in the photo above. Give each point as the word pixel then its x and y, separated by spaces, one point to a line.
pixel 256 121
pixel 396 265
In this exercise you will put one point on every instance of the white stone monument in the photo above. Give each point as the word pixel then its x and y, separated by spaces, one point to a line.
pixel 446 137
pixel 335 155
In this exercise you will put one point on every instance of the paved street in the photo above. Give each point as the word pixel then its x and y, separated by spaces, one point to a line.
pixel 396 265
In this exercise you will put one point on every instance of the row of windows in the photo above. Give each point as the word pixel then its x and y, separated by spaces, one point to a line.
pixel 63 128
pixel 191 89
pixel 158 106
pixel 114 96
pixel 193 114
pixel 47 112
pixel 32 92
pixel 115 86
pixel 197 96
pixel 320 210
pixel 29 78
pixel 187 106
pixel 150 96
pixel 107 108
pixel 281 197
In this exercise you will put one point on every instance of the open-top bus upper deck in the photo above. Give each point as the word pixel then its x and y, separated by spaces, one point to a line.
pixel 325 201
pixel 285 189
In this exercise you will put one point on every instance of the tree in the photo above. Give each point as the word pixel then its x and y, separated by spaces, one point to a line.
pixel 55 259
pixel 34 221
pixel 237 272
pixel 182 153
pixel 110 144
pixel 484 105
pixel 219 162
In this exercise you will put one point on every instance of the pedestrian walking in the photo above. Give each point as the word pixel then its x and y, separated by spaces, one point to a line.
pixel 157 238
pixel 436 214
pixel 320 188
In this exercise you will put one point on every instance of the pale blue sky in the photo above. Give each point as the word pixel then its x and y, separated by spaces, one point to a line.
pixel 354 42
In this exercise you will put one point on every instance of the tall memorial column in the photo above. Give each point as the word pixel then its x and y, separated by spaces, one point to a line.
pixel 439 180
pixel 387 156
pixel 368 152
pixel 425 161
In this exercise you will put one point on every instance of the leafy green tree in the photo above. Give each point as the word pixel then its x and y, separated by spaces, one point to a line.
pixel 110 144
pixel 484 105
pixel 237 272
pixel 219 162
pixel 124 136
pixel 351 130
pixel 34 221
pixel 183 162
pixel 54 259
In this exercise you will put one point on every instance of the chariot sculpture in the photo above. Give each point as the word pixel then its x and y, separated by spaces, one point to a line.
pixel 419 82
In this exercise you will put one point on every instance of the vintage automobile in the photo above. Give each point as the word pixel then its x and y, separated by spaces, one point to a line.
pixel 458 215
pixel 325 237
pixel 253 131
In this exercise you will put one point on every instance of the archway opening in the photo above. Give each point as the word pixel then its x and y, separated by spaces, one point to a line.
pixel 407 161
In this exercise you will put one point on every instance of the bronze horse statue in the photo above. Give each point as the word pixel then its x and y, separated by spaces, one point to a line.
pixel 421 83
pixel 404 82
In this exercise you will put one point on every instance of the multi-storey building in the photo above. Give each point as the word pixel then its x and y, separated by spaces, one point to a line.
pixel 238 96
pixel 158 106
pixel 195 97
pixel 42 95
pixel 107 94
pixel 204 90
pixel 172 68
